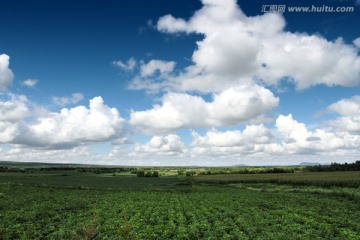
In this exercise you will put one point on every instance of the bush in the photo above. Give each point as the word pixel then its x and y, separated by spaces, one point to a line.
pixel 140 173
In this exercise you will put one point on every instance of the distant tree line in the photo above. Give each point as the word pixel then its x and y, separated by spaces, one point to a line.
pixel 7 169
pixel 248 171
pixel 96 170
pixel 142 173
pixel 334 167
pixel 187 173
pixel 106 170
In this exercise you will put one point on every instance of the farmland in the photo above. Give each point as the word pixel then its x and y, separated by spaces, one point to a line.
pixel 71 204
pixel 323 179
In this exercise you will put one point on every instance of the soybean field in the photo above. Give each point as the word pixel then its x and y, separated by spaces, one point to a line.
pixel 74 205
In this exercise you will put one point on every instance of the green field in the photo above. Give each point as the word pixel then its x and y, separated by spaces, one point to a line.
pixel 74 205
pixel 322 179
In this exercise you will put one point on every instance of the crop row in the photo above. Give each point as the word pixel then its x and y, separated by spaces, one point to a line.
pixel 210 212
pixel 321 179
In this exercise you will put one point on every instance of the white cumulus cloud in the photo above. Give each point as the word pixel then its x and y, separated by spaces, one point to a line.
pixel 252 140
pixel 6 75
pixel 74 126
pixel 251 134
pixel 288 138
pixel 181 110
pixel 13 109
pixel 297 139
pixel 169 145
pixel 349 111
pixel 237 48
pixel 235 53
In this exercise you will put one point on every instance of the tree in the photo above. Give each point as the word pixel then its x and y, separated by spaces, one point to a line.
pixel 140 173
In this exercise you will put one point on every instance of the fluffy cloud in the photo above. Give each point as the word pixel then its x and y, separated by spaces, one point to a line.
pixel 170 145
pixel 213 13
pixel 252 134
pixel 72 127
pixel 237 49
pixel 13 109
pixel 240 104
pixel 66 129
pixel 349 110
pixel 6 75
pixel 253 139
pixel 297 139
pixel 8 130
pixel 310 60
pixel 180 110
pixel 235 53
pixel 150 68
pixel 177 111
pixel 288 138
pixel 127 66
pixel 29 83
pixel 62 101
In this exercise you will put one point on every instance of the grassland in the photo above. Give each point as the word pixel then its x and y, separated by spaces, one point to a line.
pixel 83 205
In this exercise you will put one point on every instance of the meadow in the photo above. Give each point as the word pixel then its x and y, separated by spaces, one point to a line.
pixel 72 204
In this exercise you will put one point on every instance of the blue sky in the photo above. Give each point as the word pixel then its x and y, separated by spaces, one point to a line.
pixel 178 83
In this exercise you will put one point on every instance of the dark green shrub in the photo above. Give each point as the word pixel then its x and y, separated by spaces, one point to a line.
pixel 140 173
